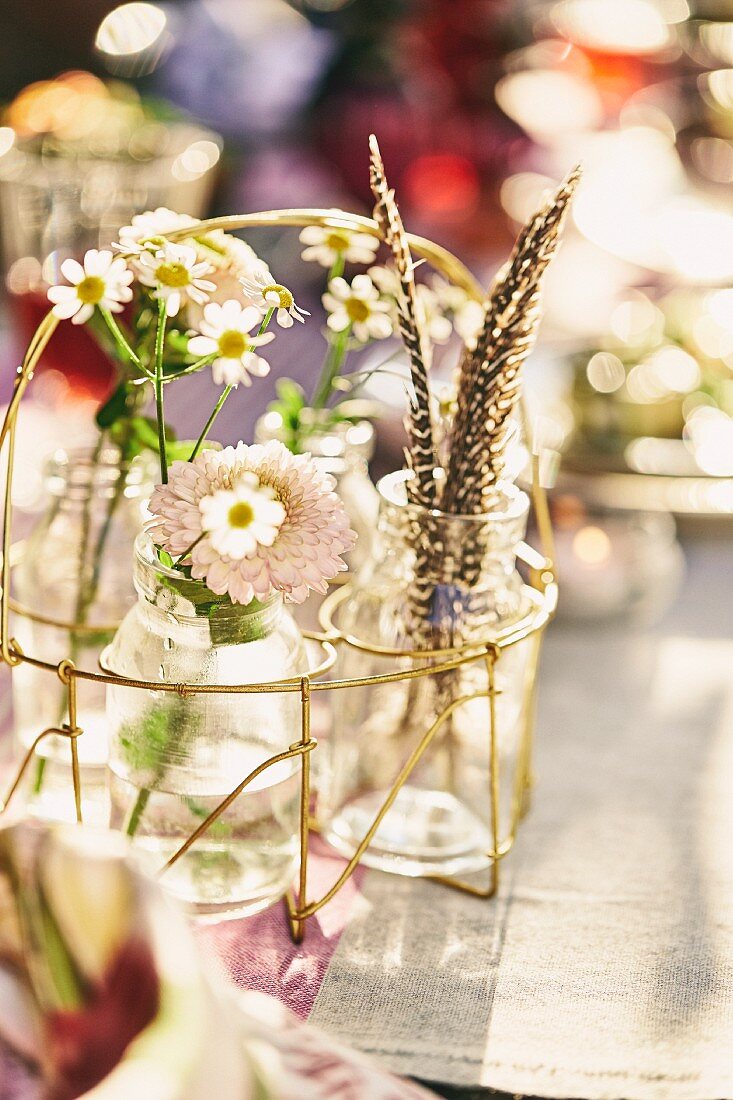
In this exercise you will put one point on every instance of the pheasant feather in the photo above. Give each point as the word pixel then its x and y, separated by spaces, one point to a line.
pixel 421 454
pixel 490 375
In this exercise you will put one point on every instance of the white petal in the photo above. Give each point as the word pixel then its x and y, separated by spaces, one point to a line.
pixel 172 302
pixel 338 321
pixel 83 315
pixel 365 240
pixel 379 326
pixel 97 263
pixel 202 345
pixel 312 234
pixel 212 313
pixel 230 313
pixel 249 317
pixel 72 270
pixel 62 294
pixel 320 255
pixel 228 372
pixel 284 319
pixel 363 287
pixel 262 339
pixel 340 288
pixel 263 533
pixel 64 310
pixel 255 364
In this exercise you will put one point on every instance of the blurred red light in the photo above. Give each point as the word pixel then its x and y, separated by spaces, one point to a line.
pixel 442 184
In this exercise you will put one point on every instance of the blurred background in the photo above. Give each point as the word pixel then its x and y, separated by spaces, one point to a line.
pixel 221 106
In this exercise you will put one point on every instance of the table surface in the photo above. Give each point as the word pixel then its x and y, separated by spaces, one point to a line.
pixel 604 969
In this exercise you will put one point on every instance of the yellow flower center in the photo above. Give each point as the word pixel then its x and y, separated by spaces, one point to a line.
pixel 173 274
pixel 241 514
pixel 232 344
pixel 90 290
pixel 155 241
pixel 286 298
pixel 357 310
pixel 339 242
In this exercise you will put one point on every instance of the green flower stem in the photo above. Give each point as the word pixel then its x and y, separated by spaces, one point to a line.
pixel 121 343
pixel 137 811
pixel 148 744
pixel 225 393
pixel 337 267
pixel 185 553
pixel 159 345
pixel 216 410
pixel 205 362
pixel 331 368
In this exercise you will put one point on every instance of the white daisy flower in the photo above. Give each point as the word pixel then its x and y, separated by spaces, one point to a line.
pixel 357 305
pixel 431 311
pixel 240 519
pixel 150 229
pixel 467 313
pixel 434 322
pixel 232 261
pixel 468 322
pixel 326 246
pixel 103 281
pixel 175 273
pixel 386 279
pixel 262 290
pixel 225 332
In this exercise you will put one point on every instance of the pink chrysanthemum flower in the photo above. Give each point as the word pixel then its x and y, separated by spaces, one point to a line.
pixel 306 551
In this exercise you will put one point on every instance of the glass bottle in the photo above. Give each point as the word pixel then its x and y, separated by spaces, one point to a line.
pixel 71 589
pixel 469 591
pixel 58 199
pixel 174 758
pixel 344 451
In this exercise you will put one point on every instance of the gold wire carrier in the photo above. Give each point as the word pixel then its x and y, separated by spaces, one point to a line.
pixel 542 595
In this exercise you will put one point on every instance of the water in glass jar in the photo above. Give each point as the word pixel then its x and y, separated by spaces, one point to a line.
pixel 247 858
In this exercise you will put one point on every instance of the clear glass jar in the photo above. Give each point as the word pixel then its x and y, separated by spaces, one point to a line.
pixel 173 759
pixel 71 589
pixel 440 822
pixel 344 451
pixel 58 201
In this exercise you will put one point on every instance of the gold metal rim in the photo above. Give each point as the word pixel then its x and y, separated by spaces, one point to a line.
pixel 60 624
pixel 438 257
pixel 291 683
pixel 543 608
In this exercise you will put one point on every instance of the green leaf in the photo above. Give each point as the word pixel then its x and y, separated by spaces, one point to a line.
pixel 145 740
pixel 114 408
pixel 291 395
pixel 181 448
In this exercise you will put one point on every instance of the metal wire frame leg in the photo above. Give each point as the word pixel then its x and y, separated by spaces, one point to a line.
pixel 70 730
pixel 525 778
pixel 294 905
pixel 298 916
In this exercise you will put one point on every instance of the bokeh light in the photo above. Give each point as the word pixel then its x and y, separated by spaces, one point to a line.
pixel 132 38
